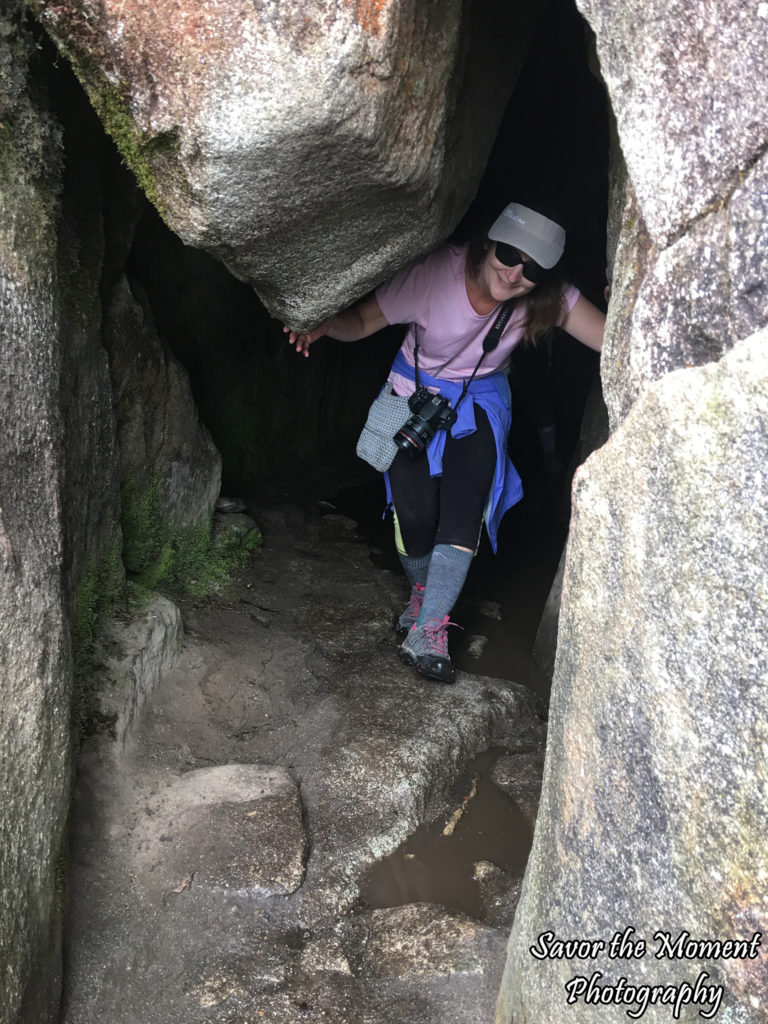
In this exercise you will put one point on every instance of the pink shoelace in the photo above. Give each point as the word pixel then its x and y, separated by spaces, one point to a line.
pixel 415 601
pixel 436 635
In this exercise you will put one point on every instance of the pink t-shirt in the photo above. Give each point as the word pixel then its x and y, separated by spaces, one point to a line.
pixel 431 296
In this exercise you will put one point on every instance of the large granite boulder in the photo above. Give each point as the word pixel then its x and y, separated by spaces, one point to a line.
pixel 689 91
pixel 312 148
pixel 653 811
pixel 688 88
pixel 685 304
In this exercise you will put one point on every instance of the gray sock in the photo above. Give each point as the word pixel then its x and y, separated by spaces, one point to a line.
pixel 448 568
pixel 416 567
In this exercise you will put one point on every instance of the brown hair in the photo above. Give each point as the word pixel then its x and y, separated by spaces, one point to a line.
pixel 544 304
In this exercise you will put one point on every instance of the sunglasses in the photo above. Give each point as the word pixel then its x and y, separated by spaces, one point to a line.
pixel 511 257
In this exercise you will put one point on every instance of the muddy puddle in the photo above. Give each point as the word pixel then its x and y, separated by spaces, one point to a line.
pixel 443 862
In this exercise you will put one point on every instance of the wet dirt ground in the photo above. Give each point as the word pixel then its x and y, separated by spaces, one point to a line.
pixel 224 864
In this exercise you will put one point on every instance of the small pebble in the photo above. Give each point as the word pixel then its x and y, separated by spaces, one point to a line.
pixel 476 646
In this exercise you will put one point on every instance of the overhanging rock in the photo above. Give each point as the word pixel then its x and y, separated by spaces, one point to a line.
pixel 314 149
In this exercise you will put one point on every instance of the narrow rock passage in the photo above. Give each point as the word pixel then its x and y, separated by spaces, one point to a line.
pixel 217 859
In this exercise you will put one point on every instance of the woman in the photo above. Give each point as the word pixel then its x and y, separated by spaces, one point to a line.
pixel 453 300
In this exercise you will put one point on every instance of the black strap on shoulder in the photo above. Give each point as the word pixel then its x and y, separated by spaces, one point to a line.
pixel 492 338
pixel 490 341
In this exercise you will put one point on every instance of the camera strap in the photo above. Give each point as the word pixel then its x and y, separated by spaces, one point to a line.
pixel 490 341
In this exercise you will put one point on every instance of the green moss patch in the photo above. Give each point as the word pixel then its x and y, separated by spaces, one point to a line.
pixel 140 154
pixel 182 561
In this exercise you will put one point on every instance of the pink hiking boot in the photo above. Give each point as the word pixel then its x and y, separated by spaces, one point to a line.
pixel 426 648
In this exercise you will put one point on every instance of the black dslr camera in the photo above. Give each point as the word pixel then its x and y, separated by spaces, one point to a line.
pixel 430 414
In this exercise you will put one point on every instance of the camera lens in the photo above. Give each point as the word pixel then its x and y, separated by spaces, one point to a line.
pixel 409 441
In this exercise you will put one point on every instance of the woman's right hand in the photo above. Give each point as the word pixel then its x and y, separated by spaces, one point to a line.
pixel 303 339
pixel 352 324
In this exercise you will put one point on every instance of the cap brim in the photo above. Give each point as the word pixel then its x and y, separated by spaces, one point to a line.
pixel 544 244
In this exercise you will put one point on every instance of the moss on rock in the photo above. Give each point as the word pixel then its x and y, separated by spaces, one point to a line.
pixel 140 153
pixel 183 561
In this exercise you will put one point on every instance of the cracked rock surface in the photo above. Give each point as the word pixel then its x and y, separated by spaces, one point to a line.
pixel 218 858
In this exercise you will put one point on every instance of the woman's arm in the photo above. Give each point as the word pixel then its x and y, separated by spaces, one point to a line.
pixel 586 323
pixel 351 324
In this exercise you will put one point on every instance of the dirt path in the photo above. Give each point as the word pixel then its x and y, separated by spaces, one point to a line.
pixel 217 859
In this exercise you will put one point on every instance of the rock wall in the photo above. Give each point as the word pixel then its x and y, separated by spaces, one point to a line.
pixel 60 536
pixel 688 90
pixel 313 149
pixel 34 638
pixel 655 784
pixel 654 792
pixel 275 418
pixel 163 445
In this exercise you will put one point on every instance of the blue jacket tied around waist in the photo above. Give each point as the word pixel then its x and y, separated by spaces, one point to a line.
pixel 492 395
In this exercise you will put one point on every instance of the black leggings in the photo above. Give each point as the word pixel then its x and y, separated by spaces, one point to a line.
pixel 445 509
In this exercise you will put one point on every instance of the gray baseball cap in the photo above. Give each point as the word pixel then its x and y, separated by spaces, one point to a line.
pixel 537 236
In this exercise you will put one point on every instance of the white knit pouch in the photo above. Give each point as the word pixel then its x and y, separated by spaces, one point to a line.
pixel 385 417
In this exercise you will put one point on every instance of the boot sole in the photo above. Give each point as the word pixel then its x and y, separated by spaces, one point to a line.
pixel 442 672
